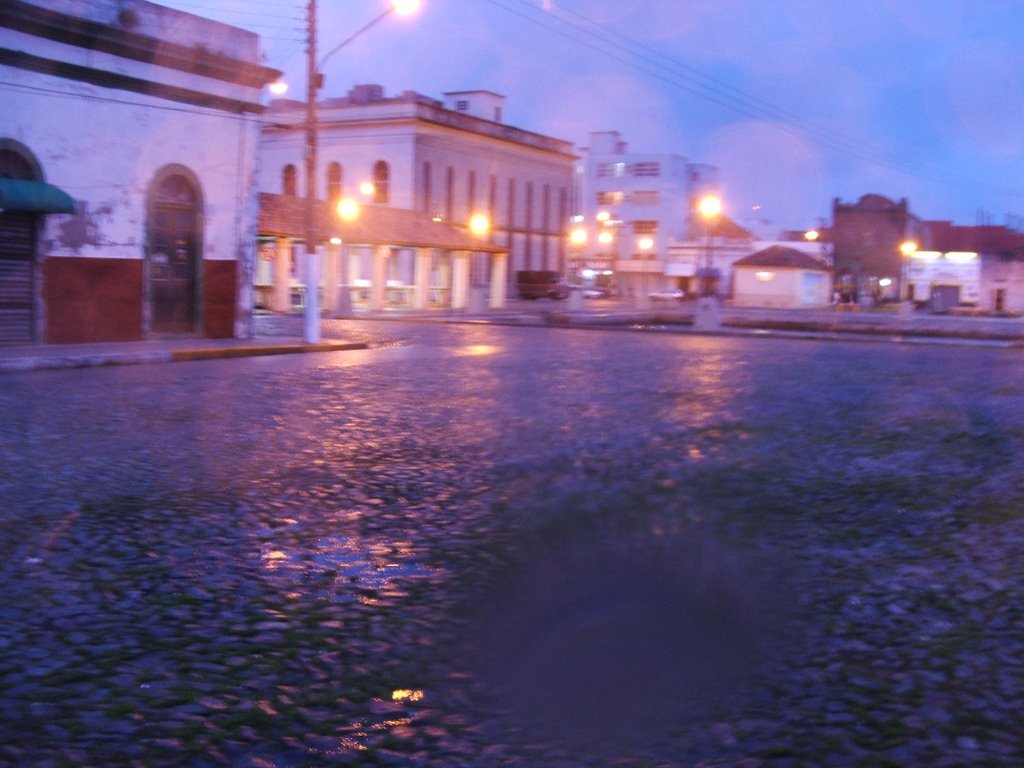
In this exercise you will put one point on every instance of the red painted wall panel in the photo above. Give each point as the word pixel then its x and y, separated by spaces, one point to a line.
pixel 90 300
pixel 219 299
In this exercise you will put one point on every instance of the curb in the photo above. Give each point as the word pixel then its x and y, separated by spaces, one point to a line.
pixel 187 355
pixel 102 359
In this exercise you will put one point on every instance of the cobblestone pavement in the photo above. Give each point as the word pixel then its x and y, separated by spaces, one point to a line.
pixel 482 546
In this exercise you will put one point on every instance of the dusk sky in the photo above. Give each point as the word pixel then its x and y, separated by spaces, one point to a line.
pixel 796 101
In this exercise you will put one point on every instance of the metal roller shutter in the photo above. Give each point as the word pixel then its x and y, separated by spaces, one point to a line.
pixel 17 259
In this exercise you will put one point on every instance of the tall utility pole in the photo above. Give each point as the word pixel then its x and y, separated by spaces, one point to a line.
pixel 314 81
pixel 311 316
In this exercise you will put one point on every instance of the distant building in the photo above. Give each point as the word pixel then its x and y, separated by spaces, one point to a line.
pixel 781 277
pixel 640 203
pixel 702 261
pixel 977 266
pixel 866 238
pixel 127 162
pixel 445 159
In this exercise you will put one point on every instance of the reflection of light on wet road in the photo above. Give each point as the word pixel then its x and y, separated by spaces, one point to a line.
pixel 354 569
pixel 595 647
pixel 274 557
pixel 405 694
pixel 477 350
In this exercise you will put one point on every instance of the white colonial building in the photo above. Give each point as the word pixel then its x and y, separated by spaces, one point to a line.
pixel 632 207
pixel 127 171
pixel 445 160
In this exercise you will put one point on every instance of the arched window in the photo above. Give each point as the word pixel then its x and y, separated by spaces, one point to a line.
pixel 14 165
pixel 334 181
pixel 381 177
pixel 289 180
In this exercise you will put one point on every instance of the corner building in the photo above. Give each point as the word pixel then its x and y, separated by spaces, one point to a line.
pixel 128 137
pixel 447 159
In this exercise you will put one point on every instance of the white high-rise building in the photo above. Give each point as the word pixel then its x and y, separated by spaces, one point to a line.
pixel 632 206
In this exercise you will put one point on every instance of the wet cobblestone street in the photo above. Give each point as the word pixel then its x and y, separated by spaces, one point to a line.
pixel 497 546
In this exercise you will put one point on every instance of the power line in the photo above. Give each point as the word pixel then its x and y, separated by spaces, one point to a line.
pixel 206 8
pixel 704 86
pixel 612 43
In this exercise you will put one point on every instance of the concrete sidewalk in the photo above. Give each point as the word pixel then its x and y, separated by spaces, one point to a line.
pixel 49 356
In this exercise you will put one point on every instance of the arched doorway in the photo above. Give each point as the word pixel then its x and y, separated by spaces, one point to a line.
pixel 173 254
pixel 18 232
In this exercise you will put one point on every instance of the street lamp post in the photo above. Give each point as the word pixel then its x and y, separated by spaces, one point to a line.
pixel 644 245
pixel 314 81
pixel 348 211
pixel 907 250
pixel 479 227
pixel 577 244
pixel 710 206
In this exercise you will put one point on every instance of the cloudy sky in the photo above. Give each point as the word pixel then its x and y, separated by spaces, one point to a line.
pixel 796 101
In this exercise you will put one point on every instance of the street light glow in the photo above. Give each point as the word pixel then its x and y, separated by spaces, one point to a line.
pixel 710 206
pixel 811 235
pixel 366 188
pixel 578 236
pixel 605 237
pixel 405 7
pixel 348 209
pixel 645 243
pixel 479 224
pixel 278 87
pixel 908 248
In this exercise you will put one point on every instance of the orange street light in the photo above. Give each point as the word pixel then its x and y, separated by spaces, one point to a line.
pixel 348 209
pixel 405 7
pixel 479 225
pixel 710 206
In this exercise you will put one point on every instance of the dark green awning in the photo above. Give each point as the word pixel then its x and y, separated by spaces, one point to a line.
pixel 34 196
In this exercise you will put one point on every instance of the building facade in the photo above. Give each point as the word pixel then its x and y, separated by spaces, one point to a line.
pixel 866 238
pixel 976 266
pixel 781 277
pixel 633 207
pixel 128 139
pixel 448 159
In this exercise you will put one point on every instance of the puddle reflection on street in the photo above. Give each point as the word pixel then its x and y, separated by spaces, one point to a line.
pixel 601 646
pixel 351 568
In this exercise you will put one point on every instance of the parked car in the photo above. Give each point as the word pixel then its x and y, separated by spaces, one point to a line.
pixel 541 284
pixel 596 292
pixel 668 294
